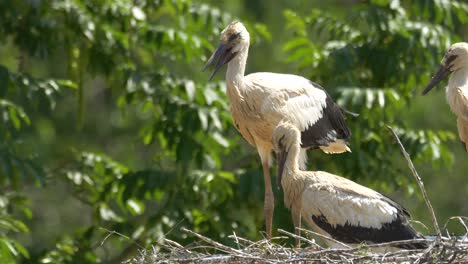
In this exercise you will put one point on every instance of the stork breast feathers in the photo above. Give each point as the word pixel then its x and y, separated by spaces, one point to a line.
pixel 462 103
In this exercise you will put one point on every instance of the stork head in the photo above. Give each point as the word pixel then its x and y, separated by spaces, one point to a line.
pixel 455 58
pixel 285 136
pixel 234 39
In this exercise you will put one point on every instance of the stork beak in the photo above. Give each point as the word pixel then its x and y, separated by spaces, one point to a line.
pixel 281 157
pixel 442 72
pixel 222 55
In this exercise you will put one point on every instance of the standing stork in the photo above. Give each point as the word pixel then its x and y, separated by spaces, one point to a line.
pixel 335 206
pixel 260 100
pixel 455 61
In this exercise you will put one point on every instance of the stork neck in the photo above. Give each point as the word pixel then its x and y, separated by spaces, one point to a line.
pixel 236 67
pixel 459 77
pixel 292 161
pixel 293 180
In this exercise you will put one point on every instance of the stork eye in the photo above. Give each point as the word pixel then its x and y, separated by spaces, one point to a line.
pixel 234 36
pixel 451 58
pixel 449 61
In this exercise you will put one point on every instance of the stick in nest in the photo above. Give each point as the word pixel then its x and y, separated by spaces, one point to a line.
pixel 419 181
pixel 325 237
pixel 240 240
pixel 214 243
pixel 461 221
pixel 218 246
pixel 298 237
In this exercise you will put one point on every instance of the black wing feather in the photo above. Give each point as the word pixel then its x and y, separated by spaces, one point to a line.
pixel 397 230
pixel 331 127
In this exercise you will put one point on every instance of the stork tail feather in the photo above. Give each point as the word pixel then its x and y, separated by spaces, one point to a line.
pixel 337 147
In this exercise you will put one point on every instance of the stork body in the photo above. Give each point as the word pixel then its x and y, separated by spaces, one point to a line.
pixel 455 62
pixel 260 100
pixel 335 206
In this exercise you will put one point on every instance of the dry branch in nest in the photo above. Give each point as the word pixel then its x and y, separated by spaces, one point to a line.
pixel 418 181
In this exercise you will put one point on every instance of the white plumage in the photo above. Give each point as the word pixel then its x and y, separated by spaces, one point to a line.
pixel 335 206
pixel 455 62
pixel 260 100
pixel 301 104
pixel 341 207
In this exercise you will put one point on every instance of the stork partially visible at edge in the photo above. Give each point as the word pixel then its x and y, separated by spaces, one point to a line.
pixel 455 62
pixel 259 101
pixel 334 206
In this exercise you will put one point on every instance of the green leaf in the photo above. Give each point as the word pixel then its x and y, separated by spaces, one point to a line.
pixel 14 118
pixel 108 214
pixel 262 30
pixel 136 207
pixel 22 250
pixel 220 139
pixel 10 247
pixel 67 83
pixel 203 118
pixel 190 89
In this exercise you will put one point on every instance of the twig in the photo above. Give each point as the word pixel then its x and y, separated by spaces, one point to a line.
pixel 425 253
pixel 172 228
pixel 262 242
pixel 235 239
pixel 419 181
pixel 173 243
pixel 240 239
pixel 398 243
pixel 419 223
pixel 113 232
pixel 460 219
pixel 298 237
pixel 218 245
pixel 325 237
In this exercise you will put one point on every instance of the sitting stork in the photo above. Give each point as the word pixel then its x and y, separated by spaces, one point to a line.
pixel 455 62
pixel 334 206
pixel 260 100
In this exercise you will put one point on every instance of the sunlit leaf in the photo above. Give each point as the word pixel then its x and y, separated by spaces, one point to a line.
pixel 135 207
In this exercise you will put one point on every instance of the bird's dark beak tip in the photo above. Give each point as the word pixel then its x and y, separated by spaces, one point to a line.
pixel 441 74
pixel 429 87
pixel 212 74
pixel 206 66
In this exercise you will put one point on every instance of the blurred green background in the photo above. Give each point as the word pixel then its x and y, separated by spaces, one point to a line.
pixel 108 124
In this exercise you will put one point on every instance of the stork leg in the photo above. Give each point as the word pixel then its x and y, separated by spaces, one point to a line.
pixel 296 216
pixel 269 204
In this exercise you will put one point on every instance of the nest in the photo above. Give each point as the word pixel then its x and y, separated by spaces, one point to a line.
pixel 441 249
pixel 206 250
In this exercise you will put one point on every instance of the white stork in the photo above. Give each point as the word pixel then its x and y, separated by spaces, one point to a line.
pixel 334 206
pixel 455 61
pixel 260 100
